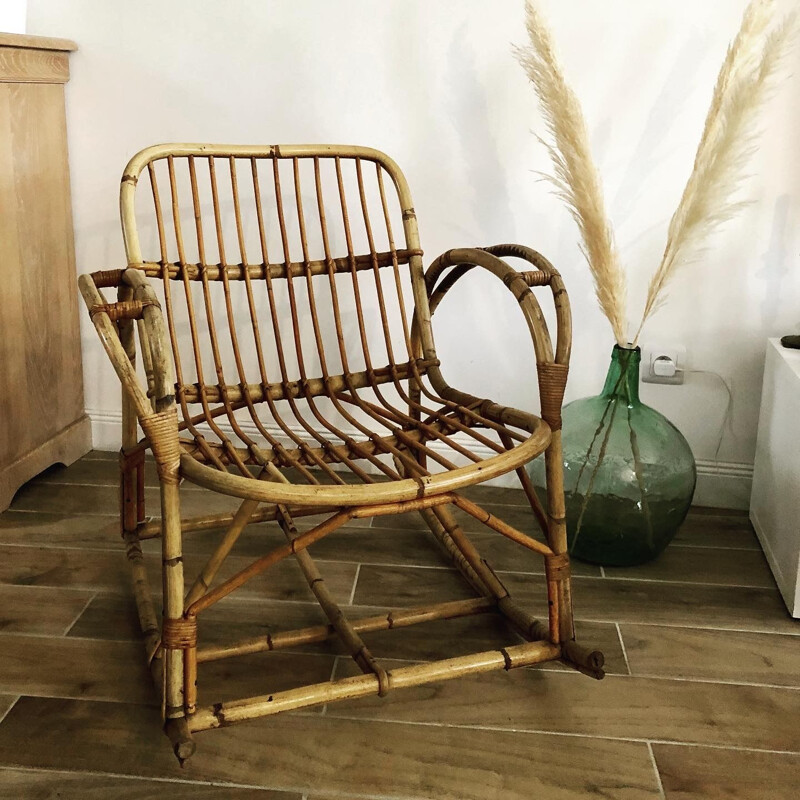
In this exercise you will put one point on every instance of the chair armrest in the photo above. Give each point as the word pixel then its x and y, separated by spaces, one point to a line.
pixel 114 322
pixel 552 364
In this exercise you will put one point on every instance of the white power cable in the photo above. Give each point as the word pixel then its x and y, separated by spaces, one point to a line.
pixel 727 420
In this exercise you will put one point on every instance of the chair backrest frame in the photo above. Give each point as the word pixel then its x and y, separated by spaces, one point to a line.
pixel 287 268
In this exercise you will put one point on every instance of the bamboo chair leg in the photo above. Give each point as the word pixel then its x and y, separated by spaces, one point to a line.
pixel 557 531
pixel 131 468
pixel 178 685
pixel 165 665
pixel 177 728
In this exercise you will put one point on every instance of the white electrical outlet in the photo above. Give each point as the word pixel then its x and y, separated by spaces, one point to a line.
pixel 663 364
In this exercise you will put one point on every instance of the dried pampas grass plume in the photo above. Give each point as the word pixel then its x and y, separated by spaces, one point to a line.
pixel 726 144
pixel 576 179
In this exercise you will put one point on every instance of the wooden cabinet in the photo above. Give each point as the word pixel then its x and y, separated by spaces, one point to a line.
pixel 42 420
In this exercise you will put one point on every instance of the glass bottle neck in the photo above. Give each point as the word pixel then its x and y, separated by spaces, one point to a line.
pixel 622 380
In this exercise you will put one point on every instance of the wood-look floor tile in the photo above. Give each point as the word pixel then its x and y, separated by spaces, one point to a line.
pixel 715 511
pixel 94 500
pixel 702 565
pixel 702 773
pixel 713 655
pixel 689 605
pixel 80 668
pixel 306 523
pixel 102 471
pixel 59 530
pixel 322 755
pixel 41 785
pixel 6 701
pixel 64 567
pixel 618 706
pixel 114 617
pixel 284 581
pixel 337 797
pixel 507 556
pixel 717 530
pixel 40 610
pixel 599 599
pixel 260 673
pixel 495 495
pixel 381 546
pixel 68 499
pixel 101 455
pixel 116 671
pixel 402 587
pixel 107 571
pixel 109 617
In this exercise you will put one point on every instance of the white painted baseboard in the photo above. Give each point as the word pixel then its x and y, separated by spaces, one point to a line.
pixel 719 484
pixel 723 484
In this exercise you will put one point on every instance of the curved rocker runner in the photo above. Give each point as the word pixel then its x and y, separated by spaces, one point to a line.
pixel 281 367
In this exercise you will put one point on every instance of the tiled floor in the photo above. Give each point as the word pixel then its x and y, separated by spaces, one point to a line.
pixel 702 697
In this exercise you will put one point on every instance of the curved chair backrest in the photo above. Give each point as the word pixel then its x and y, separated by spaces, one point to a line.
pixel 283 268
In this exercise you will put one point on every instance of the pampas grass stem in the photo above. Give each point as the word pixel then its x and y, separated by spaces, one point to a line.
pixel 575 176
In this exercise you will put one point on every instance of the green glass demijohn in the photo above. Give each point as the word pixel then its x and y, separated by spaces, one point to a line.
pixel 629 474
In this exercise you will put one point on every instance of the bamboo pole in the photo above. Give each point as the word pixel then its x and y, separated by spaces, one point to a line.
pixel 479 573
pixel 172 565
pixel 202 583
pixel 451 550
pixel 260 564
pixel 152 529
pixel 401 618
pixel 347 633
pixel 130 502
pixel 557 535
pixel 512 657
pixel 474 510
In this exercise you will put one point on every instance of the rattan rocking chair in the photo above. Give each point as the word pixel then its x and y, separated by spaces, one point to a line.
pixel 324 398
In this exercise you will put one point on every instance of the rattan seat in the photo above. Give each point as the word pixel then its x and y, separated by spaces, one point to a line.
pixel 335 488
pixel 287 358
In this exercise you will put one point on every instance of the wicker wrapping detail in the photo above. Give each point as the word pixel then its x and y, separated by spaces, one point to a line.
pixel 162 432
pixel 125 309
pixel 556 567
pixel 536 277
pixel 552 382
pixel 179 633
pixel 108 278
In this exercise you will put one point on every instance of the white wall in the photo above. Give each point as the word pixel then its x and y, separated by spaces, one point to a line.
pixel 12 16
pixel 433 83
